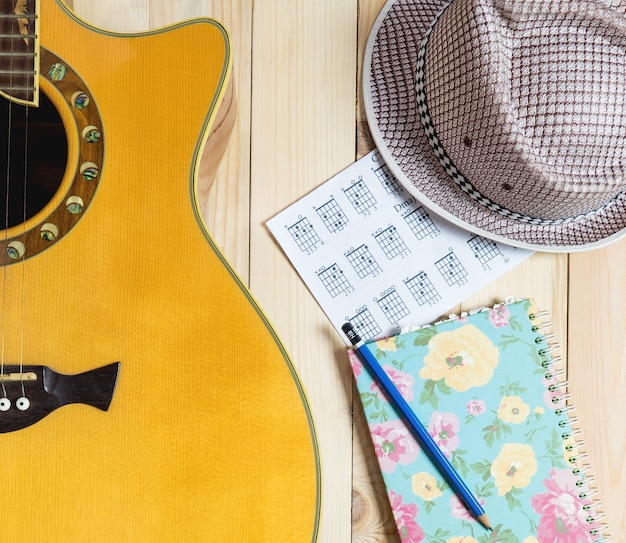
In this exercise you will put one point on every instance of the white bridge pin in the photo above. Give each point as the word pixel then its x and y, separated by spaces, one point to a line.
pixel 22 403
pixel 5 404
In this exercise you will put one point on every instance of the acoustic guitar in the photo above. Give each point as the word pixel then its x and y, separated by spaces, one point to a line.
pixel 143 394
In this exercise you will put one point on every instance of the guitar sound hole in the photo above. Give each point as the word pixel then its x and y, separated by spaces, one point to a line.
pixel 33 157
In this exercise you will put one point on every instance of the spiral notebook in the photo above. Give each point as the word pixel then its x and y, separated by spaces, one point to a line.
pixel 494 398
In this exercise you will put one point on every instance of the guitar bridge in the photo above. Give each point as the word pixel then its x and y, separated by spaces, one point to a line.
pixel 29 393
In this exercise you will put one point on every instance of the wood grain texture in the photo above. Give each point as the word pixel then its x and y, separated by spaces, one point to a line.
pixel 296 75
pixel 596 348
pixel 118 15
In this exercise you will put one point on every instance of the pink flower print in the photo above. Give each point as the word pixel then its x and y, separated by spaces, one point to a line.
pixel 499 316
pixel 444 428
pixel 393 444
pixel 458 509
pixel 403 382
pixel 355 363
pixel 476 407
pixel 405 516
pixel 562 516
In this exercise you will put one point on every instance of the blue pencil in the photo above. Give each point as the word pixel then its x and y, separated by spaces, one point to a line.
pixel 426 441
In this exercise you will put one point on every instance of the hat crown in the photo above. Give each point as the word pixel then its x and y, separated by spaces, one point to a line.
pixel 528 100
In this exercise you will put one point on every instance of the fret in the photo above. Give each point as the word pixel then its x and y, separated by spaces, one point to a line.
pixel 13 88
pixel 30 16
pixel 17 72
pixel 17 36
pixel 17 54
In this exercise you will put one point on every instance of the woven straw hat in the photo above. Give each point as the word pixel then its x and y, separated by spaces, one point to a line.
pixel 506 117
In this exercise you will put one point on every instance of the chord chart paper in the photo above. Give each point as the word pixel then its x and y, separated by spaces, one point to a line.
pixel 422 289
pixel 364 324
pixel 484 250
pixel 393 306
pixel 360 196
pixel 386 179
pixel 451 269
pixel 372 255
pixel 334 280
pixel 420 223
pixel 304 235
pixel 362 261
pixel 391 242
pixel 332 216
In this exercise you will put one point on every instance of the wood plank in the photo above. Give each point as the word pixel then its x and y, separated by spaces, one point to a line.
pixel 597 369
pixel 118 15
pixel 303 120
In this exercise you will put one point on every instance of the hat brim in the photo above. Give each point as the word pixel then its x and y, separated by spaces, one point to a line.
pixel 390 105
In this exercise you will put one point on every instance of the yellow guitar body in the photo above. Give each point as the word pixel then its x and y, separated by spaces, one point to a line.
pixel 208 436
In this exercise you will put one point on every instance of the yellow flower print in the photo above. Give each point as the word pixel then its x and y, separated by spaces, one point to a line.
pixel 538 410
pixel 570 452
pixel 387 344
pixel 425 486
pixel 531 539
pixel 514 466
pixel 464 358
pixel 513 410
pixel 462 539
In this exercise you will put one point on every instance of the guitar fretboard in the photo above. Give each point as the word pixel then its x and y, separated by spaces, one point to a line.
pixel 19 51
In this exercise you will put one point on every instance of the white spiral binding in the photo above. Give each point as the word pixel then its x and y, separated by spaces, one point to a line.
pixel 569 426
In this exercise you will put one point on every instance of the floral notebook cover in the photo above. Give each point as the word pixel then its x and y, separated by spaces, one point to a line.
pixel 485 387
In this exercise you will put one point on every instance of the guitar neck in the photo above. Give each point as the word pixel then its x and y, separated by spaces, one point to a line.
pixel 19 51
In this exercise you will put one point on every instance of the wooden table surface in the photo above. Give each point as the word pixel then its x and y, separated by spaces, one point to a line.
pixel 300 121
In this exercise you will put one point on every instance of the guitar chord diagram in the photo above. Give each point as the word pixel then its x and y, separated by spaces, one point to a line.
pixel 387 180
pixel 332 216
pixel 360 196
pixel 364 324
pixel 484 250
pixel 363 262
pixel 392 306
pixel 422 289
pixel 304 234
pixel 391 243
pixel 334 280
pixel 451 269
pixel 420 223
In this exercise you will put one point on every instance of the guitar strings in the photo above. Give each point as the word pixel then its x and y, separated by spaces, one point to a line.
pixel 25 209
pixel 7 207
pixel 6 222
pixel 23 267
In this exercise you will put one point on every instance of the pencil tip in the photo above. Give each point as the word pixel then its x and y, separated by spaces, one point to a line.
pixel 485 522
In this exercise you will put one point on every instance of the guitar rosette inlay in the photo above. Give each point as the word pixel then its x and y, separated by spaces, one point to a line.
pixel 78 187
